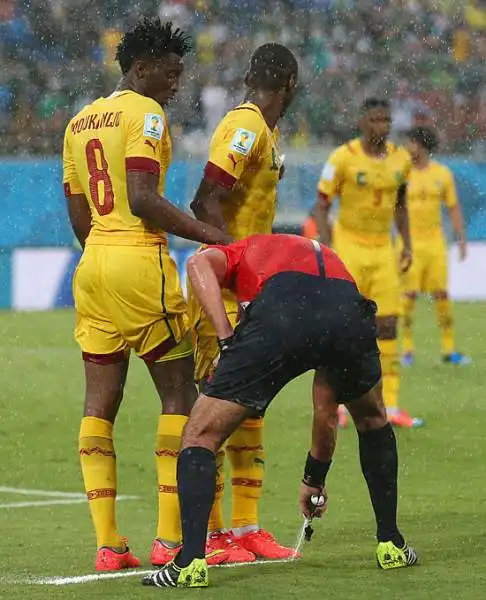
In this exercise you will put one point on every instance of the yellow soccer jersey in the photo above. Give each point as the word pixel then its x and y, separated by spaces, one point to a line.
pixel 427 189
pixel 243 156
pixel 367 190
pixel 124 132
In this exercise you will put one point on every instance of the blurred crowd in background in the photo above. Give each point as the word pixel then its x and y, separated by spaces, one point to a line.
pixel 427 56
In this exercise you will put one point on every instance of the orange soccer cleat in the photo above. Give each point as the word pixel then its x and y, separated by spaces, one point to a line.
pixel 342 417
pixel 263 545
pixel 162 554
pixel 108 559
pixel 221 548
pixel 401 418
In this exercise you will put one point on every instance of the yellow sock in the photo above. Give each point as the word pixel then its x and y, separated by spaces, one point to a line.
pixel 390 371
pixel 216 518
pixel 245 452
pixel 408 308
pixel 169 434
pixel 98 464
pixel 445 321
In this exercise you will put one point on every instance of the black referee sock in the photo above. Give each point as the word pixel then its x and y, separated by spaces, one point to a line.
pixel 196 482
pixel 379 463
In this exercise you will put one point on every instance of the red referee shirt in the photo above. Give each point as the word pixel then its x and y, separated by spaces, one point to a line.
pixel 255 259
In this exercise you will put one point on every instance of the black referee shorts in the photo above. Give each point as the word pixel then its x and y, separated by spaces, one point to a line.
pixel 300 322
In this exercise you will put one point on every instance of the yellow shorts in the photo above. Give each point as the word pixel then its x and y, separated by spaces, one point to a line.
pixel 206 348
pixel 428 272
pixel 375 271
pixel 129 297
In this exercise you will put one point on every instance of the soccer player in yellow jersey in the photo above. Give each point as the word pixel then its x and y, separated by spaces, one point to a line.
pixel 369 176
pixel 430 185
pixel 238 193
pixel 126 287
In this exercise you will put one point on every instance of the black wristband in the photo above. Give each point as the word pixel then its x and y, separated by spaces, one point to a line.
pixel 315 472
pixel 225 343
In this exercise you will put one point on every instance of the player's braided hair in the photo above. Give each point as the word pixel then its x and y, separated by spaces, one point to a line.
pixel 271 66
pixel 150 38
pixel 424 136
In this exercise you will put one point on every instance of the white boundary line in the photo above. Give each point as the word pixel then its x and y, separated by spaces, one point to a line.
pixel 55 497
pixel 28 492
pixel 79 579
pixel 53 502
pixel 41 503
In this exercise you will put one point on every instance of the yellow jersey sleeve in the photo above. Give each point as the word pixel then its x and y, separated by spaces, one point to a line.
pixel 332 175
pixel 146 128
pixel 449 190
pixel 72 185
pixel 235 144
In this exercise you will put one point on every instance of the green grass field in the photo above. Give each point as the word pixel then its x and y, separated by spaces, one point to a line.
pixel 442 483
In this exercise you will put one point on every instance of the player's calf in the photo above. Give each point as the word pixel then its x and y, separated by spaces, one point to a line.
pixel 379 464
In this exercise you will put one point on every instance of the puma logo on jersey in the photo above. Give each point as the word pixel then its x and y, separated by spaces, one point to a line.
pixel 152 145
pixel 233 160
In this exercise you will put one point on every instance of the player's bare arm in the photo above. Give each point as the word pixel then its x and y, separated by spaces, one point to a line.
pixel 79 216
pixel 455 215
pixel 325 420
pixel 206 271
pixel 147 204
pixel 401 222
pixel 324 434
pixel 206 205
pixel 321 213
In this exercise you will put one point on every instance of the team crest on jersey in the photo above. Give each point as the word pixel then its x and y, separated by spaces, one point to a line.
pixel 243 141
pixel 153 126
pixel 361 178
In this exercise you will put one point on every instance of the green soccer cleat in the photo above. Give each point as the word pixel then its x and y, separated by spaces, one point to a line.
pixel 390 556
pixel 194 575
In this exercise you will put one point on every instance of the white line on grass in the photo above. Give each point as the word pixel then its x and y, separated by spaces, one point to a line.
pixel 79 579
pixel 35 503
pixel 51 493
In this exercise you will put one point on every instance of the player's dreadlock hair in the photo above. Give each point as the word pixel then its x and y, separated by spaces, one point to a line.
pixel 271 66
pixel 150 38
pixel 424 136
pixel 370 103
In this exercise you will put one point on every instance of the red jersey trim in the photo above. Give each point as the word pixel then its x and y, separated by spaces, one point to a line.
pixel 145 165
pixel 159 351
pixel 105 359
pixel 219 175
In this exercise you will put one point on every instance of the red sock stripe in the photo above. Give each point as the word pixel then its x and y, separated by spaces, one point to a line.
pixel 167 452
pixel 244 448
pixel 245 482
pixel 96 450
pixel 101 493
pixel 167 489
